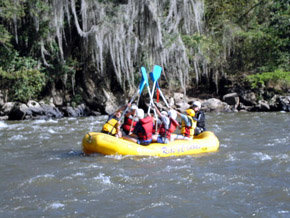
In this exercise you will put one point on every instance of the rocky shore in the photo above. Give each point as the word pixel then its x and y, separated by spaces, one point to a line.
pixel 231 102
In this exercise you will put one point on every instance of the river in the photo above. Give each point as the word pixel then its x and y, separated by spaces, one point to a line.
pixel 44 173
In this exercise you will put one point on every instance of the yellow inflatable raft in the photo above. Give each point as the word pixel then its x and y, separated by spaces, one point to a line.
pixel 95 142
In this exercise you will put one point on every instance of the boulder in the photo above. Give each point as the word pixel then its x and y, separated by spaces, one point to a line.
pixel 51 111
pixel 215 105
pixel 35 107
pixel 263 105
pixel 20 112
pixel 2 101
pixel 7 107
pixel 285 102
pixel 232 99
pixel 178 97
pixel 249 99
pixel 182 106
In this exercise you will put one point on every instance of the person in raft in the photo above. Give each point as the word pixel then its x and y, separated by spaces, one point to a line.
pixel 130 121
pixel 168 126
pixel 200 118
pixel 112 126
pixel 142 133
pixel 188 124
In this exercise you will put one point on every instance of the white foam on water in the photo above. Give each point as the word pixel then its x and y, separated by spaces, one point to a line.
pixel 17 138
pixel 3 125
pixel 78 174
pixel 39 121
pixel 52 121
pixel 51 131
pixel 262 156
pixel 104 179
pixel 37 179
pixel 55 205
pixel 283 211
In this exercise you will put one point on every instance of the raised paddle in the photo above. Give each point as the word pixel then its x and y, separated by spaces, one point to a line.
pixel 143 82
pixel 155 75
pixel 158 88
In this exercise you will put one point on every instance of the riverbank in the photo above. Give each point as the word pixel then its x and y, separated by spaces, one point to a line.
pixel 231 102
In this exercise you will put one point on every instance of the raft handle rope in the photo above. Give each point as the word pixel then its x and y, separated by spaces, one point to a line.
pixel 89 140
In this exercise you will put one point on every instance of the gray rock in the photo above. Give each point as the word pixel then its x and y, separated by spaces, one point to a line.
pixel 263 105
pixel 20 112
pixel 7 107
pixel 232 99
pixel 216 105
pixel 35 107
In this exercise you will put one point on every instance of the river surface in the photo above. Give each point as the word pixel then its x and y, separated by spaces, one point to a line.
pixel 44 173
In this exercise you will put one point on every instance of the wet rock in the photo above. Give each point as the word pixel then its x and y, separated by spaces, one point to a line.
pixel 285 102
pixel 263 105
pixel 20 112
pixel 35 107
pixel 232 99
pixel 249 99
pixel 51 111
pixel 7 107
pixel 4 117
pixel 2 101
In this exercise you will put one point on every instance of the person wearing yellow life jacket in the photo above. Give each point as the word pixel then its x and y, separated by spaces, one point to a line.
pixel 112 126
pixel 142 133
pixel 188 123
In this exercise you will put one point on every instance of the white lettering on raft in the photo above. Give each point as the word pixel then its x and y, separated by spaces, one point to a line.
pixel 181 149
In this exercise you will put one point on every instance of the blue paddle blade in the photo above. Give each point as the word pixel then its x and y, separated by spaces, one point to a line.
pixel 144 80
pixel 152 78
pixel 141 86
pixel 156 72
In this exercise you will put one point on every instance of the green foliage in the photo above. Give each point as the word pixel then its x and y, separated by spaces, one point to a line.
pixel 278 77
pixel 22 78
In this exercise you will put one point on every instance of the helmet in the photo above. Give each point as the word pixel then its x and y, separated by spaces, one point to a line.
pixel 172 114
pixel 134 107
pixel 196 104
pixel 164 113
pixel 190 112
pixel 140 113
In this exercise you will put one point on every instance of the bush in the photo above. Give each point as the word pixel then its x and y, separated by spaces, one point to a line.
pixel 21 78
pixel 278 78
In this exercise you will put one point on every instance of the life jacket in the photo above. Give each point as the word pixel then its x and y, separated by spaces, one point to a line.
pixel 167 132
pixel 110 127
pixel 147 126
pixel 188 131
pixel 200 116
pixel 127 124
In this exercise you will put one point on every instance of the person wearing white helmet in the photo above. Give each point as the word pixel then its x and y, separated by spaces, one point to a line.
pixel 168 126
pixel 200 118
pixel 142 133
pixel 130 120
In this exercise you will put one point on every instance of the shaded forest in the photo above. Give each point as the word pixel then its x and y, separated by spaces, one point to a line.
pixel 89 50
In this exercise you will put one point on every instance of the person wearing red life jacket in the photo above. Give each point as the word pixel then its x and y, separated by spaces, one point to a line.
pixel 142 133
pixel 130 121
pixel 168 126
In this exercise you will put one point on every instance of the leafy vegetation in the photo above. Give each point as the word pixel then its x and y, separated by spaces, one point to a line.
pixel 278 78
pixel 238 37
